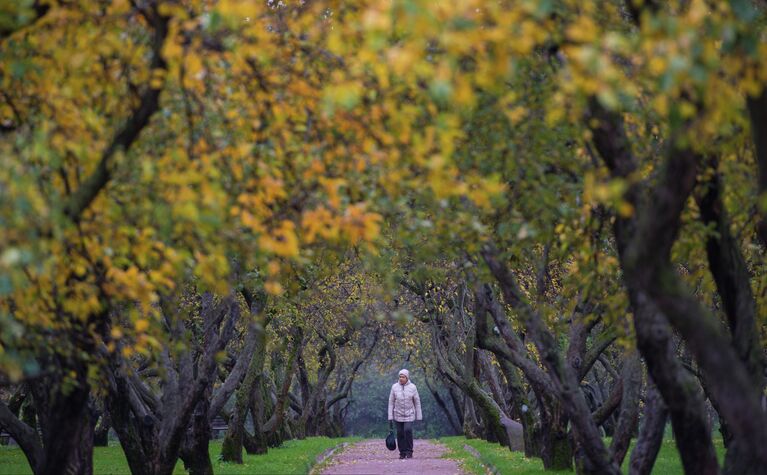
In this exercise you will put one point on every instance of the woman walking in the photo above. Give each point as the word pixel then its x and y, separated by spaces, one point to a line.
pixel 404 408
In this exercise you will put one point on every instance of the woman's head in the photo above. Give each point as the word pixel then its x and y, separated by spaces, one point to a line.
pixel 404 376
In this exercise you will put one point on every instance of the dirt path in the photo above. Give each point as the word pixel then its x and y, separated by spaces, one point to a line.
pixel 370 457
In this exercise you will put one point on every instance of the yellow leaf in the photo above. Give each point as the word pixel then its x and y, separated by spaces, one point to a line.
pixel 282 241
pixel 274 288
pixel 142 325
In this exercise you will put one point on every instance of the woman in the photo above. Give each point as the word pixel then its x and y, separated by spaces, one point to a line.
pixel 404 408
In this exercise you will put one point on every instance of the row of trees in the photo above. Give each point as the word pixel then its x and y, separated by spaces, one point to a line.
pixel 209 204
pixel 270 370
pixel 153 152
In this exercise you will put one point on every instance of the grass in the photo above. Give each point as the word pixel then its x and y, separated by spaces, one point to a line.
pixel 499 457
pixel 667 463
pixel 293 457
pixel 298 456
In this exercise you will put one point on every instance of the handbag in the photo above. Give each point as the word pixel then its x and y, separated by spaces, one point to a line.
pixel 391 440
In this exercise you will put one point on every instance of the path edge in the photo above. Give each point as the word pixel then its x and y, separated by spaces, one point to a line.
pixel 490 468
pixel 320 460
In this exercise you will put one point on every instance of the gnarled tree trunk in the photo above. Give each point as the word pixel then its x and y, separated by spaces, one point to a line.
pixel 651 433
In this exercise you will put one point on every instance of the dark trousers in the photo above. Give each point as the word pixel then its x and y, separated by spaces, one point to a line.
pixel 405 438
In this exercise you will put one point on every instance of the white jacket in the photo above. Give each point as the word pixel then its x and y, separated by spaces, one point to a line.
pixel 404 403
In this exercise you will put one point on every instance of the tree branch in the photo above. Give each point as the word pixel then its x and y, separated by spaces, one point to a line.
pixel 730 272
pixel 40 10
pixel 81 199
pixel 757 109
pixel 24 435
pixel 566 382
pixel 225 391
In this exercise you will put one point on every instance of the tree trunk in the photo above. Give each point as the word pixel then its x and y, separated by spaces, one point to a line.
pixel 101 432
pixel 567 382
pixel 651 434
pixel 68 432
pixel 757 109
pixel 557 451
pixel 275 427
pixel 462 374
pixel 456 403
pixel 28 413
pixel 258 443
pixel 129 428
pixel 231 449
pixel 445 410
pixel 680 390
pixel 609 405
pixel 154 431
pixel 491 411
pixel 730 272
pixel 556 448
pixel 521 408
pixel 511 354
pixel 629 412
pixel 471 426
pixel 195 453
pixel 25 435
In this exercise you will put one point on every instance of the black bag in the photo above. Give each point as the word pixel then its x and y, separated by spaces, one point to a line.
pixel 391 440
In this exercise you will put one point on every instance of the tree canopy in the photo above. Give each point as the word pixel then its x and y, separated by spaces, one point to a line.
pixel 231 207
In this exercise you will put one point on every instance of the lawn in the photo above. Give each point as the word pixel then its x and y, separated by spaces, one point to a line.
pixel 293 457
pixel 504 461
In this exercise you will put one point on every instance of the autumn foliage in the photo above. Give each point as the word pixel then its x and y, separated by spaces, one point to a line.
pixel 181 179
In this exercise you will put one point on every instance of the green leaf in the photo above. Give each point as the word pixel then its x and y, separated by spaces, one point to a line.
pixel 744 10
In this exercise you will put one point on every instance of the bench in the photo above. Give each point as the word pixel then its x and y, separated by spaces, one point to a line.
pixel 5 438
pixel 218 427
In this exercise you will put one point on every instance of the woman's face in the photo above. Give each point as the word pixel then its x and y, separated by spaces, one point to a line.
pixel 402 379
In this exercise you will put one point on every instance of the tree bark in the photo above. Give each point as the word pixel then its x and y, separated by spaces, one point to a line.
pixel 445 410
pixel 274 425
pixel 238 372
pixel 730 272
pixel 680 390
pixel 566 382
pixel 511 355
pixel 195 452
pixel 471 427
pixel 522 408
pixel 757 109
pixel 231 449
pixel 25 435
pixel 462 376
pixel 66 422
pixel 629 412
pixel 651 433
pixel 101 431
pixel 644 244
pixel 609 405
pixel 153 431
pixel 260 405
pixel 92 185
pixel 556 448
pixel 731 275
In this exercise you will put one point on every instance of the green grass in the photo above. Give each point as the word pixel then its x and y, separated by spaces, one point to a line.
pixel 501 458
pixel 667 463
pixel 293 457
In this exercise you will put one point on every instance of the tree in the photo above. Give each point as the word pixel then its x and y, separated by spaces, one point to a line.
pixel 160 150
pixel 102 220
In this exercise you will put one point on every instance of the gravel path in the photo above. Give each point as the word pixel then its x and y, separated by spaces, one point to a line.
pixel 370 457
